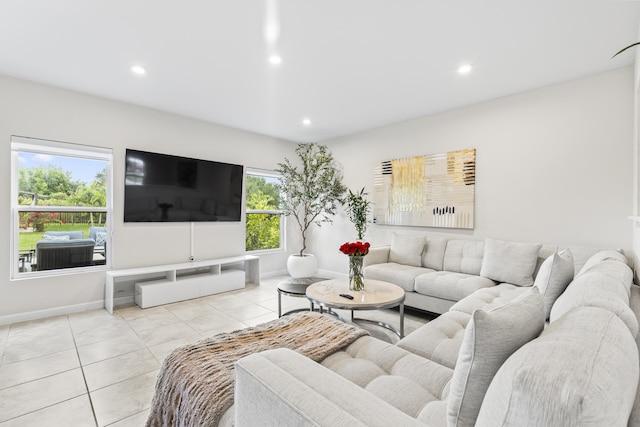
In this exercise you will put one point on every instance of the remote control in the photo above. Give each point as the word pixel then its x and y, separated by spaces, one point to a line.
pixel 346 296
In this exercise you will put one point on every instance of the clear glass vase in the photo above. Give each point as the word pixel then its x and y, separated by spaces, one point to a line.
pixel 356 274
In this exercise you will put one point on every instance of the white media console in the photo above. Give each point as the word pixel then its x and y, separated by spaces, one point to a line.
pixel 163 284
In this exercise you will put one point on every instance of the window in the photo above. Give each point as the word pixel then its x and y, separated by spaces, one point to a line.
pixel 61 206
pixel 264 220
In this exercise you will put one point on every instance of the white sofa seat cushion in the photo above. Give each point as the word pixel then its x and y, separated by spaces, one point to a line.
pixel 582 370
pixel 490 338
pixel 510 262
pixel 489 298
pixel 283 388
pixel 407 381
pixel 440 339
pixel 398 274
pixel 450 285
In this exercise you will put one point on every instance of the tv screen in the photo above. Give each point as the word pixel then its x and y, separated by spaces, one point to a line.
pixel 165 188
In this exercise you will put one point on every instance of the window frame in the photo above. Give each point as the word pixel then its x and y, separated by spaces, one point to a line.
pixel 268 174
pixel 21 144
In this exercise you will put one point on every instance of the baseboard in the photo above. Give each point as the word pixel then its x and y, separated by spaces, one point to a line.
pixel 274 274
pixel 331 274
pixel 50 312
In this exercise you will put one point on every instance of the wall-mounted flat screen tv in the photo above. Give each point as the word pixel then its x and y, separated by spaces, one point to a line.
pixel 165 188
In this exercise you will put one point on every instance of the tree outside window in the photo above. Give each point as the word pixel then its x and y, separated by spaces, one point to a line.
pixel 264 221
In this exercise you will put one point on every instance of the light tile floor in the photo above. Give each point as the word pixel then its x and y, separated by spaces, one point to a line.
pixel 96 369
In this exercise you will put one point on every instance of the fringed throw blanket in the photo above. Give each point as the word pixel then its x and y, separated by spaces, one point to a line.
pixel 195 383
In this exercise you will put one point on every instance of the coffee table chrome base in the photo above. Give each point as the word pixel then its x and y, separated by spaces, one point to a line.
pixel 399 333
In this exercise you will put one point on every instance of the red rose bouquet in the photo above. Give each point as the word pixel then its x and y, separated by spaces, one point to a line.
pixel 355 248
pixel 356 252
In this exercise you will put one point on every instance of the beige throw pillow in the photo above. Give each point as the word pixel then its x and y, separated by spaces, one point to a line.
pixel 490 338
pixel 510 262
pixel 555 274
pixel 407 249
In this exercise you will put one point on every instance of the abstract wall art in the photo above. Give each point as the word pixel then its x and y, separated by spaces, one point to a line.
pixel 432 190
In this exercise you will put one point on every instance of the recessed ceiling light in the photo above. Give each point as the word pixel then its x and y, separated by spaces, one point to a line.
pixel 275 59
pixel 138 70
pixel 306 122
pixel 464 69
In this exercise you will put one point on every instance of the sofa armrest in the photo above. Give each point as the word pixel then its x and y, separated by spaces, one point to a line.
pixel 282 387
pixel 377 255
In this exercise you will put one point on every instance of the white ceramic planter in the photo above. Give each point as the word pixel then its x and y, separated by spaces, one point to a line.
pixel 302 266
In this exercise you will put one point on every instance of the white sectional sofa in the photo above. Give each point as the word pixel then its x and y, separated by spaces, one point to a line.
pixel 493 359
pixel 436 273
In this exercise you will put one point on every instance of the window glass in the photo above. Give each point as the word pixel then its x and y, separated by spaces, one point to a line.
pixel 61 203
pixel 264 220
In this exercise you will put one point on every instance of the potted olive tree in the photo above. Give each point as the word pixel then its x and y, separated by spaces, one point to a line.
pixel 310 192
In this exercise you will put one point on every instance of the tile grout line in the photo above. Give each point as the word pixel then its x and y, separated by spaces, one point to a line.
pixel 84 378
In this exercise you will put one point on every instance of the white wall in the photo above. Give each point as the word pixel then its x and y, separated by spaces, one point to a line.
pixel 33 110
pixel 554 165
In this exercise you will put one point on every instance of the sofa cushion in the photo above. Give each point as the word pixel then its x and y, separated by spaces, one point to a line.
pixel 589 365
pixel 510 262
pixel 399 274
pixel 581 255
pixel 463 256
pixel 490 338
pixel 595 289
pixel 489 298
pixel 450 286
pixel 405 380
pixel 554 276
pixel 407 249
pixel 599 257
pixel 440 339
pixel 281 387
pixel 433 255
pixel 634 304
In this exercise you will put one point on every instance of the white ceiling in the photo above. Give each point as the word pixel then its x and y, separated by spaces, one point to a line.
pixel 348 65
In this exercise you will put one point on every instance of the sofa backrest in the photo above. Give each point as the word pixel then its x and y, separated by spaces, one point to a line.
pixel 464 256
pixel 606 283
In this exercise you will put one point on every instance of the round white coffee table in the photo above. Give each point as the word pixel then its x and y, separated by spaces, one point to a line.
pixel 376 296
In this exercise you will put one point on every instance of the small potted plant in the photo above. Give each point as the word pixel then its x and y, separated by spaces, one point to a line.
pixel 310 192
pixel 358 209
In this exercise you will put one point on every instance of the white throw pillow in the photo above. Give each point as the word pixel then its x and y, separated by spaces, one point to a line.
pixel 52 237
pixel 490 338
pixel 510 262
pixel 407 249
pixel 555 274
